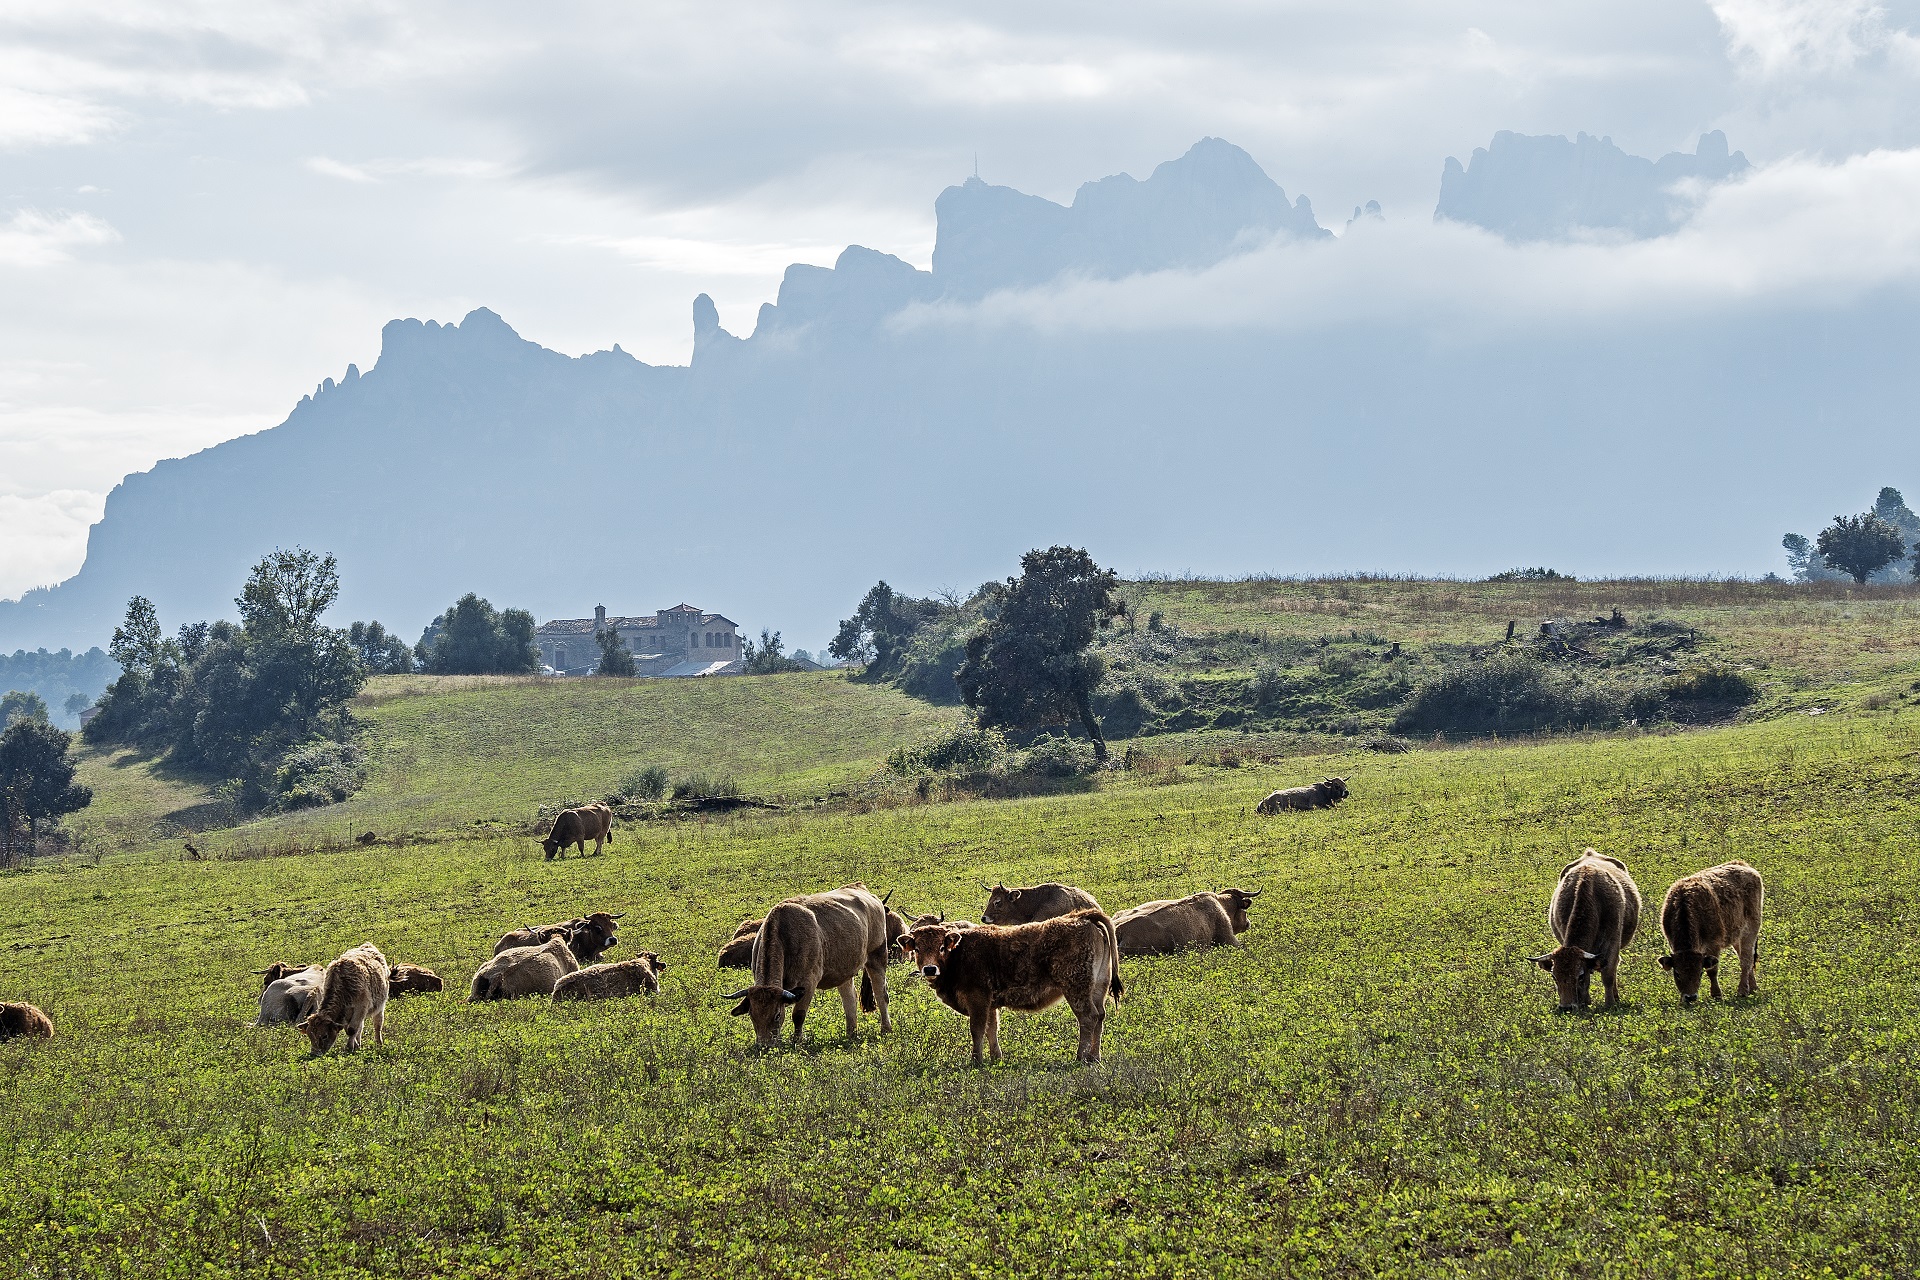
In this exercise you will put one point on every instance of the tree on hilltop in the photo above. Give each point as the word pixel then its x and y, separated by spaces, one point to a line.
pixel 1859 545
pixel 615 658
pixel 22 704
pixel 381 652
pixel 472 639
pixel 882 628
pixel 36 783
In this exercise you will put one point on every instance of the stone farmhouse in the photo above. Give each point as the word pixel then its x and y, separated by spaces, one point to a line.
pixel 681 641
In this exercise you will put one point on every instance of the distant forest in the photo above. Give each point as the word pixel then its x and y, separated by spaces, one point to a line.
pixel 67 682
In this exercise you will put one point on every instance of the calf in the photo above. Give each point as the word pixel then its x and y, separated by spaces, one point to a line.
pixel 352 993
pixel 290 993
pixel 577 826
pixel 20 1019
pixel 823 940
pixel 1170 925
pixel 524 971
pixel 1593 914
pixel 638 976
pixel 588 937
pixel 987 968
pixel 1705 914
pixel 1321 795
pixel 411 979
pixel 738 953
pixel 1035 902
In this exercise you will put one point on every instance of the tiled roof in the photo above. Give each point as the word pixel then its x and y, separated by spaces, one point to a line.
pixel 585 626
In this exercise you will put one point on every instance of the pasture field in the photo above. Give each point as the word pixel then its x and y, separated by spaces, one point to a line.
pixel 1375 1085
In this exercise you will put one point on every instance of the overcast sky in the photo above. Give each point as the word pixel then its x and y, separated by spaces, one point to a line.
pixel 208 207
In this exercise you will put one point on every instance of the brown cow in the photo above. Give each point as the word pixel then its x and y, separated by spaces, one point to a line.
pixel 411 979
pixel 20 1019
pixel 577 826
pixel 987 968
pixel 352 994
pixel 1705 914
pixel 738 953
pixel 1321 795
pixel 589 937
pixel 638 976
pixel 1593 914
pixel 523 971
pixel 1035 902
pixel 1197 920
pixel 291 993
pixel 810 943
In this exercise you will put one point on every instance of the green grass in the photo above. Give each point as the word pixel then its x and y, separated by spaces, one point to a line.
pixel 1376 1085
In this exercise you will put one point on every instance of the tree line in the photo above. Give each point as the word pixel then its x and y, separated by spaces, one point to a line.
pixel 1881 544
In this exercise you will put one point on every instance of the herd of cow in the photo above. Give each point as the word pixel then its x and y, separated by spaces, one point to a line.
pixel 1034 947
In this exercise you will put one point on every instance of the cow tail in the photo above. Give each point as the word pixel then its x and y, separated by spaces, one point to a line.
pixel 867 1004
pixel 1115 987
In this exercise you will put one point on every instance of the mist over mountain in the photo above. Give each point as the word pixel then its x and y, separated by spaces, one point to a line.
pixel 1544 188
pixel 886 422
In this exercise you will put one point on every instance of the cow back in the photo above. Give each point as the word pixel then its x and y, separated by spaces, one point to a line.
pixel 1595 906
pixel 1167 926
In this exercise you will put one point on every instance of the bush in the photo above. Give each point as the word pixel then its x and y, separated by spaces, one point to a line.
pixel 1058 756
pixel 648 782
pixel 1267 687
pixel 320 774
pixel 1508 693
pixel 1711 684
pixel 1532 575
pixel 966 749
pixel 701 786
pixel 936 651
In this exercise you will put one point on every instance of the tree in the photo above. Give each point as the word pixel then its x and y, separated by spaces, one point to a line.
pixel 472 639
pixel 1028 665
pixel 36 782
pixel 1860 544
pixel 22 704
pixel 1892 507
pixel 299 665
pixel 615 658
pixel 768 658
pixel 381 652
pixel 76 703
pixel 882 627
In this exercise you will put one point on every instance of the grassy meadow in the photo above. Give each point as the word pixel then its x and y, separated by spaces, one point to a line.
pixel 1375 1084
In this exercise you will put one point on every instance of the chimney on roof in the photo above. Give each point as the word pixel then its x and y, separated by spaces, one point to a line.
pixel 599 617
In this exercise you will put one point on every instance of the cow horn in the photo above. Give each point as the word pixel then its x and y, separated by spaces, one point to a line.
pixel 1589 955
pixel 789 996
pixel 888 894
pixel 616 916
pixel 943 918
pixel 741 994
pixel 1253 893
pixel 1545 959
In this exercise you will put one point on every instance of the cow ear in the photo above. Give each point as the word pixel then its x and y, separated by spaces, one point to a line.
pixel 740 1008
pixel 1014 894
pixel 1545 962
pixel 1666 962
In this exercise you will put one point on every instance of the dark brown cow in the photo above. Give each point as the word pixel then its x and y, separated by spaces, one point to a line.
pixel 1593 914
pixel 1034 902
pixel 638 976
pixel 589 937
pixel 1321 795
pixel 18 1018
pixel 412 980
pixel 577 826
pixel 1197 920
pixel 982 970
pixel 823 940
pixel 1705 914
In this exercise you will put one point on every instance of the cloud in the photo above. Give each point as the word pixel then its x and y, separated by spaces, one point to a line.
pixel 45 536
pixel 31 238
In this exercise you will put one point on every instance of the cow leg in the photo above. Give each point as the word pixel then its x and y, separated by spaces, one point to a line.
pixel 353 1036
pixel 977 1023
pixel 877 979
pixel 993 1032
pixel 1750 963
pixel 800 1007
pixel 1610 975
pixel 1089 1014
pixel 380 1025
pixel 1713 977
pixel 850 1001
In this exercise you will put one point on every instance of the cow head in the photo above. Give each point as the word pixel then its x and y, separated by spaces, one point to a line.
pixel 1335 788
pixel 321 1031
pixel 1572 969
pixel 591 937
pixel 1687 968
pixel 929 946
pixel 1236 901
pixel 1002 902
pixel 768 1007
pixel 550 845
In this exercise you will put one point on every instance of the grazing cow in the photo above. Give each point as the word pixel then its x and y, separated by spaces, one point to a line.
pixel 352 994
pixel 21 1019
pixel 806 944
pixel 411 980
pixel 289 994
pixel 638 976
pixel 1035 902
pixel 577 826
pixel 1321 795
pixel 524 971
pixel 1593 914
pixel 589 937
pixel 987 968
pixel 738 953
pixel 1705 914
pixel 1197 920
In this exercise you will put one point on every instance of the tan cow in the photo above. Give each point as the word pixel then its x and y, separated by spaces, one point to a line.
pixel 577 826
pixel 352 994
pixel 524 971
pixel 411 979
pixel 289 993
pixel 1593 914
pixel 1705 914
pixel 589 937
pixel 1178 924
pixel 638 976
pixel 18 1018
pixel 1034 902
pixel 807 944
pixel 1321 795
pixel 982 970
pixel 738 953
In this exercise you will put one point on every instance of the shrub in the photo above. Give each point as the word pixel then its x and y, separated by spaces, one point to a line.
pixel 968 748
pixel 1507 693
pixel 648 782
pixel 701 786
pixel 1532 575
pixel 1711 684
pixel 1267 686
pixel 1058 756
pixel 319 774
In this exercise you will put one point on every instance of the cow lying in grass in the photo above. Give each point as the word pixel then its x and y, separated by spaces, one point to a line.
pixel 982 970
pixel 411 980
pixel 588 937
pixel 820 941
pixel 1034 902
pixel 1593 914
pixel 288 993
pixel 1707 913
pixel 352 994
pixel 18 1018
pixel 1321 795
pixel 524 971
pixel 577 826
pixel 638 976
pixel 1197 920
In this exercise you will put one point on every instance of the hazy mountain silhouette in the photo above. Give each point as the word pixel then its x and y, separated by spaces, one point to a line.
pixel 778 475
pixel 1545 188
